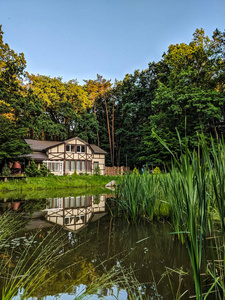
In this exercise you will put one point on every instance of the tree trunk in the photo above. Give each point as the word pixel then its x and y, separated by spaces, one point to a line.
pixel 107 116
pixel 113 135
pixel 97 131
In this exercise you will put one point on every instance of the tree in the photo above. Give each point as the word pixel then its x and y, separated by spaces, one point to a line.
pixel 99 93
pixel 12 67
pixel 62 105
pixel 189 100
pixel 11 143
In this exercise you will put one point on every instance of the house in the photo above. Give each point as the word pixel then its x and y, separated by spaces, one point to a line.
pixel 74 213
pixel 66 157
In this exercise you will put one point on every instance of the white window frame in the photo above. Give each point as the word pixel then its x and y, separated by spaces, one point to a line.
pixel 81 149
pixel 70 146
pixel 60 163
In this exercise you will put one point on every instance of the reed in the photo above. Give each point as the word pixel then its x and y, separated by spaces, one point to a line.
pixel 11 223
pixel 193 191
pixel 136 196
pixel 25 270
pixel 31 268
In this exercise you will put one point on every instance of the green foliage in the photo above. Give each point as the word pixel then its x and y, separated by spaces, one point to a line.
pixel 194 194
pixel 184 91
pixel 188 98
pixel 97 170
pixel 135 171
pixel 156 170
pixel 11 143
pixel 44 171
pixel 33 171
pixel 6 170
pixel 136 195
pixel 53 182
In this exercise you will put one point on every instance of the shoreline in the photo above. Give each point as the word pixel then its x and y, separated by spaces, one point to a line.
pixel 56 182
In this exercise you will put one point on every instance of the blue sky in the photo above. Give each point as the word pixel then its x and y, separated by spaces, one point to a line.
pixel 76 39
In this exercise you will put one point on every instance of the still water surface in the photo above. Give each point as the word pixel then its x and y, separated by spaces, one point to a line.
pixel 100 242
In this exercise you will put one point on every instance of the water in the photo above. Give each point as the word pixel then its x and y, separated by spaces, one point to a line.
pixel 98 243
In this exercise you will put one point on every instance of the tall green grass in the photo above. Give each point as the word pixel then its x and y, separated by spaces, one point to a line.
pixel 193 191
pixel 137 195
pixel 53 182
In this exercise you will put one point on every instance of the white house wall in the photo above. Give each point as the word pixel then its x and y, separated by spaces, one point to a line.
pixel 100 158
pixel 59 153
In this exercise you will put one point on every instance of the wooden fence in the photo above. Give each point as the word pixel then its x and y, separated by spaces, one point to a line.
pixel 116 170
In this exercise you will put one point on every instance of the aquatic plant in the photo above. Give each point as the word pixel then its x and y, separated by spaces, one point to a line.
pixel 194 191
pixel 29 263
pixel 136 196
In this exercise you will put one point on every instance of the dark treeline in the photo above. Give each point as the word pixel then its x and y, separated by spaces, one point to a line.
pixel 184 92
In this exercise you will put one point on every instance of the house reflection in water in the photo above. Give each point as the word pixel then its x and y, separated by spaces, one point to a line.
pixel 73 213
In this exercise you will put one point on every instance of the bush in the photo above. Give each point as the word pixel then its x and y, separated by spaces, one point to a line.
pixel 97 170
pixel 156 170
pixel 32 170
pixel 135 171
pixel 44 171
pixel 6 171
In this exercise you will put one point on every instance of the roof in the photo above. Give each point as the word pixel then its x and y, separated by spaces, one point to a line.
pixel 40 145
pixel 37 156
pixel 66 141
pixel 97 149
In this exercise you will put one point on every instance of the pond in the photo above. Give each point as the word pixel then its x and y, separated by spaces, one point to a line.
pixel 147 255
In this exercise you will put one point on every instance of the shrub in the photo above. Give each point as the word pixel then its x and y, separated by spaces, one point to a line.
pixel 44 171
pixel 6 171
pixel 135 171
pixel 32 170
pixel 97 170
pixel 156 170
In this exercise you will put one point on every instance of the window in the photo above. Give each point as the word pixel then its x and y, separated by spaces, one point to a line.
pixel 83 165
pixel 78 165
pixel 67 202
pixel 67 165
pixel 78 201
pixel 72 202
pixel 70 148
pixel 83 198
pixel 51 166
pixel 56 167
pixel 69 220
pixel 72 165
pixel 96 164
pixel 96 167
pixel 81 149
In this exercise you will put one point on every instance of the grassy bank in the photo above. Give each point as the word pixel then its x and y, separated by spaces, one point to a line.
pixel 56 182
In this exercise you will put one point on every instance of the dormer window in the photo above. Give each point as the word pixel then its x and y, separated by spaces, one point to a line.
pixel 80 149
pixel 70 148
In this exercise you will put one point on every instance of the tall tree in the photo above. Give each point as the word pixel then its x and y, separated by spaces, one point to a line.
pixel 190 99
pixel 12 93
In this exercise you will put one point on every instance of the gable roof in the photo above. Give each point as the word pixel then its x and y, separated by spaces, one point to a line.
pixel 40 146
pixel 97 150
pixel 37 156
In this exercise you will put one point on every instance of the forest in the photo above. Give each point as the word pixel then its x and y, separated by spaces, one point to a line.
pixel 177 98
